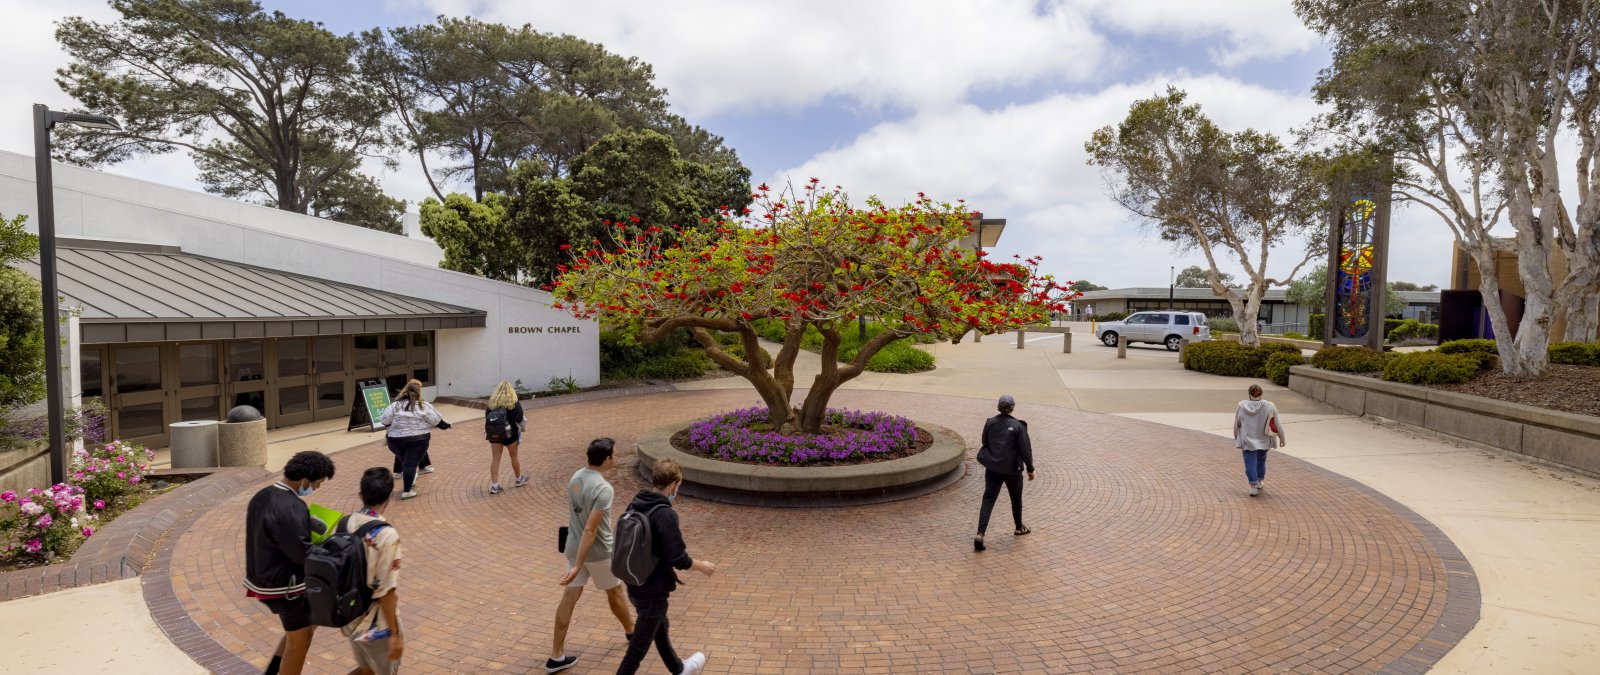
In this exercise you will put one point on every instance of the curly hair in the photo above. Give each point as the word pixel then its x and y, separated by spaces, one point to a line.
pixel 308 465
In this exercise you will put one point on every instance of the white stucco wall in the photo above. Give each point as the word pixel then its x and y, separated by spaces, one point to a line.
pixel 96 205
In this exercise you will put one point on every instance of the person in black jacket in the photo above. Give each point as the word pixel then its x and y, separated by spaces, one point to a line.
pixel 277 537
pixel 1006 450
pixel 650 598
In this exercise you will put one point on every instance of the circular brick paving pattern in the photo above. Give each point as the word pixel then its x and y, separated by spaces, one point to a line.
pixel 1146 556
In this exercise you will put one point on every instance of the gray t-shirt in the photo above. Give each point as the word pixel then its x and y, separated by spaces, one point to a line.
pixel 586 492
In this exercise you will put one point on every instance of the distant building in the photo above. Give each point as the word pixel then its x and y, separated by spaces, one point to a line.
pixel 1464 316
pixel 1275 307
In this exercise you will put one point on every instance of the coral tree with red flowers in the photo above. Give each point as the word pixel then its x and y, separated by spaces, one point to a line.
pixel 807 258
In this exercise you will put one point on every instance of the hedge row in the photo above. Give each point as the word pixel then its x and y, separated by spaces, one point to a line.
pixel 896 357
pixel 1349 359
pixel 1224 357
pixel 1576 353
pixel 1431 368
pixel 1278 366
pixel 1394 330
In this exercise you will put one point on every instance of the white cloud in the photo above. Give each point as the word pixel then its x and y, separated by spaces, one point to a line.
pixel 1248 29
pixel 1026 163
pixel 737 56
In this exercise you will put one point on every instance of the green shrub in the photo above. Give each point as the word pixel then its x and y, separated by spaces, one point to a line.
pixel 1349 359
pixel 737 351
pixel 620 353
pixel 1412 329
pixel 770 330
pixel 1110 316
pixel 1430 368
pixel 900 357
pixel 1315 324
pixel 1471 345
pixel 1575 353
pixel 1225 324
pixel 1278 365
pixel 681 366
pixel 21 338
pixel 1389 326
pixel 1222 357
pixel 726 339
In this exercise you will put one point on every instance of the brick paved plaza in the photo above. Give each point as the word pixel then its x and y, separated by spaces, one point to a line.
pixel 1146 556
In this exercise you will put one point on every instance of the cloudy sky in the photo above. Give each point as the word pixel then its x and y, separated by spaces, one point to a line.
pixel 987 101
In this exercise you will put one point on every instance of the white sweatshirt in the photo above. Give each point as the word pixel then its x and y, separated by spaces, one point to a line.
pixel 1250 426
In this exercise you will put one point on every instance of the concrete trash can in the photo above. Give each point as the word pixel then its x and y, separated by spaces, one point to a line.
pixel 194 444
pixel 242 443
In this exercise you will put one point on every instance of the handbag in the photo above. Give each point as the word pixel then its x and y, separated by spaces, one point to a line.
pixel 561 542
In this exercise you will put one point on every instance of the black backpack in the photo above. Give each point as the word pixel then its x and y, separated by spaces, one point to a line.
pixel 634 558
pixel 497 425
pixel 337 588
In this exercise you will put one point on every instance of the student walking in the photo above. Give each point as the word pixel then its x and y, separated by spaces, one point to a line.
pixel 1257 429
pixel 277 537
pixel 410 421
pixel 588 547
pixel 376 638
pixel 650 598
pixel 1006 451
pixel 502 427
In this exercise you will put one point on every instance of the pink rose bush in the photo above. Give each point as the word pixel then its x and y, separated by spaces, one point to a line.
pixel 42 524
pixel 110 470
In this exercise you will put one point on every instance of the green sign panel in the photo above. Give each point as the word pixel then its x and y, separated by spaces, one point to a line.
pixel 375 399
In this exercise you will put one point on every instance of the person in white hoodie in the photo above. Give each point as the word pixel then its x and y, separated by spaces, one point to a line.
pixel 1257 429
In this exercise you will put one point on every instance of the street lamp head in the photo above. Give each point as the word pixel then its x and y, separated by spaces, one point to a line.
pixel 85 120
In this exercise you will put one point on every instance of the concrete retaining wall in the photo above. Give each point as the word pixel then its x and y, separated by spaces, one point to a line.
pixel 25 467
pixel 1560 438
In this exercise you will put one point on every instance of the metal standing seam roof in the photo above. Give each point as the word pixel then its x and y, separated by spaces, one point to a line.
pixel 131 286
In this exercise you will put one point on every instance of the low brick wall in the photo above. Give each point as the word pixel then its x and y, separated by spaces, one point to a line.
pixel 1560 438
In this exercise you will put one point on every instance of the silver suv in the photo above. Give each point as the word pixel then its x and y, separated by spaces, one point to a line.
pixel 1162 328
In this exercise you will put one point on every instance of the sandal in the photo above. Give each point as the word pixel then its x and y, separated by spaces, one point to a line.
pixel 1023 530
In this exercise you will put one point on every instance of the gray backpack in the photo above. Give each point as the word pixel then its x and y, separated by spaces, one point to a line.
pixel 634 558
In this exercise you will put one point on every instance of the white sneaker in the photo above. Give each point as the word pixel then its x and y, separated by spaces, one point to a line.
pixel 408 495
pixel 1253 490
pixel 695 664
pixel 426 469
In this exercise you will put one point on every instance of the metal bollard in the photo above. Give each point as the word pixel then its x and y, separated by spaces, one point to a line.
pixel 1122 346
pixel 1020 334
pixel 1066 342
pixel 977 335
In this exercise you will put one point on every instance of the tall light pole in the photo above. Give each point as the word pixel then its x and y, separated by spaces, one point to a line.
pixel 1172 285
pixel 45 119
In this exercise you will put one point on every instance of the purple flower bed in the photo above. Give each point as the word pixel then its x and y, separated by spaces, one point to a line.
pixel 728 436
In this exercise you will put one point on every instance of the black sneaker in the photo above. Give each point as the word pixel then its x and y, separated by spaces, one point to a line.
pixel 552 665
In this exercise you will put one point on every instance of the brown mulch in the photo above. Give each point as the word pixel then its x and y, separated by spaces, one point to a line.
pixel 924 441
pixel 1573 389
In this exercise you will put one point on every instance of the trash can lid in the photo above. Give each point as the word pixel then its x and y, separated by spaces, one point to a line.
pixel 244 413
pixel 194 423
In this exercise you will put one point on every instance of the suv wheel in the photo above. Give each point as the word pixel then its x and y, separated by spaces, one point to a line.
pixel 1172 343
pixel 1109 338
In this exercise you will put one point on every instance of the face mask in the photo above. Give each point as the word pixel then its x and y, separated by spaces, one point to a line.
pixel 305 491
pixel 672 497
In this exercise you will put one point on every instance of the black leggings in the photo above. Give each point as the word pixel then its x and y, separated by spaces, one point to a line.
pixel 650 626
pixel 410 452
pixel 991 491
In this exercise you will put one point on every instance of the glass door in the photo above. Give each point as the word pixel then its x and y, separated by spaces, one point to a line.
pixel 334 383
pixel 292 381
pixel 139 395
pixel 197 370
pixel 246 376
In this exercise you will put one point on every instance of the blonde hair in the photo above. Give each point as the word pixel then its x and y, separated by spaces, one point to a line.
pixel 503 398
pixel 412 393
pixel 665 472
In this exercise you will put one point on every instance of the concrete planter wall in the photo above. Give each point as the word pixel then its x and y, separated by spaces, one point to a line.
pixel 25 467
pixel 1557 437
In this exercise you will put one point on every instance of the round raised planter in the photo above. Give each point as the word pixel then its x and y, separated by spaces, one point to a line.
pixel 777 485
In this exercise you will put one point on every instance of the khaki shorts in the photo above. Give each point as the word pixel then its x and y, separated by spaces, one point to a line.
pixel 600 572
pixel 374 655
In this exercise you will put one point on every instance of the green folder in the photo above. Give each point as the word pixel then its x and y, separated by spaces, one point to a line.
pixel 323 520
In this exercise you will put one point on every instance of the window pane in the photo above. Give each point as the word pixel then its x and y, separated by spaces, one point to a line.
pixel 421 348
pixel 1181 319
pixel 394 349
pixel 396 383
pixel 421 339
pixel 204 408
pixel 197 365
pixel 366 351
pixel 89 371
pixel 293 400
pixel 134 421
pixel 254 399
pixel 330 395
pixel 138 369
pixel 292 358
pixel 330 354
pixel 423 375
pixel 245 361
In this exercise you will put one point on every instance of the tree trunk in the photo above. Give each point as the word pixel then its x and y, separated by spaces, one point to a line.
pixel 1248 334
pixel 827 381
pixel 768 385
pixel 1583 318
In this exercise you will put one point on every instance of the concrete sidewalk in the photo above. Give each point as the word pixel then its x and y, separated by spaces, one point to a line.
pixel 1531 533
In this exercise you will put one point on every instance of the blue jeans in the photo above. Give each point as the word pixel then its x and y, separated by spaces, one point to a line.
pixel 1255 465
